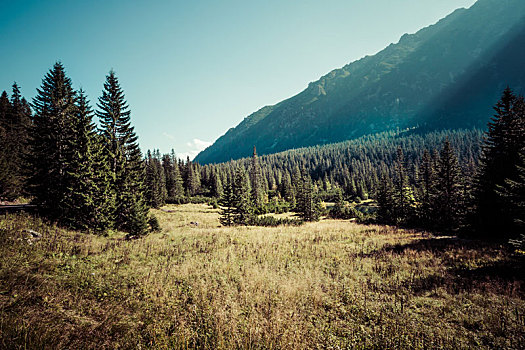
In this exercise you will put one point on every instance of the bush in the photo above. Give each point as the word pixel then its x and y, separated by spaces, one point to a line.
pixel 345 213
pixel 272 221
pixel 213 203
pixel 154 225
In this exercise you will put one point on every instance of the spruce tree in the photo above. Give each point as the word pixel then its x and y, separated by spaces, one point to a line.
pixel 500 156
pixel 404 201
pixel 15 121
pixel 286 188
pixel 308 204
pixel 124 158
pixel 174 183
pixel 89 204
pixel 6 174
pixel 227 205
pixel 513 195
pixel 427 183
pixel 216 185
pixel 242 201
pixel 192 179
pixel 385 201
pixel 51 153
pixel 156 192
pixel 255 181
pixel 447 189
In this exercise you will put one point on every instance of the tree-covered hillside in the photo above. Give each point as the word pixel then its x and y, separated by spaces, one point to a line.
pixel 445 76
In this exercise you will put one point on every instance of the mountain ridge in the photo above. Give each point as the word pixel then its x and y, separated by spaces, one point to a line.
pixel 400 86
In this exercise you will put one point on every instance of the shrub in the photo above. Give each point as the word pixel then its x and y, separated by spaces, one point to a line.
pixel 272 221
pixel 154 225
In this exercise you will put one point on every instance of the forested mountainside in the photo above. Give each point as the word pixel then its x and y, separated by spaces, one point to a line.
pixel 355 166
pixel 447 75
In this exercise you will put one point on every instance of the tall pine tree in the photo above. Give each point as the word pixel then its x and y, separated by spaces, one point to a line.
pixel 6 175
pixel 448 189
pixel 51 133
pixel 124 158
pixel 90 202
pixel 174 183
pixel 241 194
pixel 255 180
pixel 427 184
pixel 500 156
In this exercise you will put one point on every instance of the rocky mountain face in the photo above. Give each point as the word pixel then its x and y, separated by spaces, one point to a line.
pixel 447 75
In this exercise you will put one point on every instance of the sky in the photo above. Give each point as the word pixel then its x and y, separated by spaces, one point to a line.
pixel 193 69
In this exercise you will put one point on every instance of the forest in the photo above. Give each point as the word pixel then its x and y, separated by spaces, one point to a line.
pixel 406 239
pixel 90 175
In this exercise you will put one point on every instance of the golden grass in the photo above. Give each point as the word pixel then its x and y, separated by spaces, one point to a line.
pixel 331 284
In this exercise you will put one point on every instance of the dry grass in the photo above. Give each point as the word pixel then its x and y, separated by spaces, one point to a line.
pixel 331 284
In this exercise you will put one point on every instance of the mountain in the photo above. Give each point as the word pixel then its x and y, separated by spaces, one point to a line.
pixel 447 75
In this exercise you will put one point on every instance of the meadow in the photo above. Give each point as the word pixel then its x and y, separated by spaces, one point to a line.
pixel 331 284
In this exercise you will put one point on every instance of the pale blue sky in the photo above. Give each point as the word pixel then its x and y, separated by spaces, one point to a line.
pixel 193 69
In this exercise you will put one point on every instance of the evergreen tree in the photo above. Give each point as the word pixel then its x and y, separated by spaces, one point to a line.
pixel 216 185
pixel 192 179
pixel 404 201
pixel 51 154
pixel 227 204
pixel 90 203
pixel 125 158
pixel 448 189
pixel 6 174
pixel 255 181
pixel 500 156
pixel 174 183
pixel 513 194
pixel 385 201
pixel 427 183
pixel 286 188
pixel 241 192
pixel 308 204
pixel 156 192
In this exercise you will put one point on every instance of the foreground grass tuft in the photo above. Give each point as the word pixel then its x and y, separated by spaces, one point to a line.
pixel 331 284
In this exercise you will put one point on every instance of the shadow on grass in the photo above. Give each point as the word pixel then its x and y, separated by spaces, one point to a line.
pixel 469 266
pixel 502 278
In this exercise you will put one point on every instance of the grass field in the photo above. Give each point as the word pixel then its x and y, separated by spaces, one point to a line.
pixel 329 285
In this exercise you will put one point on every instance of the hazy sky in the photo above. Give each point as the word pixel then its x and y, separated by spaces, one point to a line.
pixel 192 69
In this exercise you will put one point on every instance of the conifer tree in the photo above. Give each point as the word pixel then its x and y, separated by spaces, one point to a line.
pixel 125 158
pixel 90 202
pixel 500 156
pixel 156 192
pixel 51 154
pixel 192 179
pixel 286 188
pixel 174 183
pixel 17 138
pixel 403 195
pixel 227 204
pixel 308 204
pixel 513 194
pixel 255 180
pixel 427 183
pixel 6 175
pixel 241 192
pixel 385 201
pixel 447 189
pixel 216 185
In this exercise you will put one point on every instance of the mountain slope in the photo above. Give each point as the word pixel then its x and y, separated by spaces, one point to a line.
pixel 446 75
